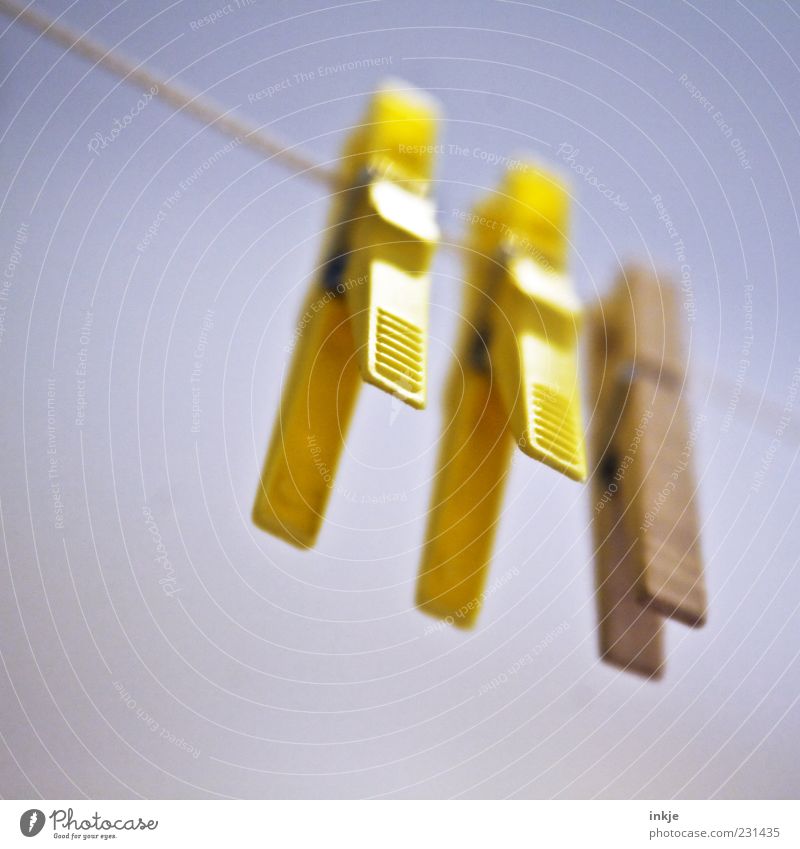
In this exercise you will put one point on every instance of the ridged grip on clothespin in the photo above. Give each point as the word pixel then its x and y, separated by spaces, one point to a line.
pixel 534 338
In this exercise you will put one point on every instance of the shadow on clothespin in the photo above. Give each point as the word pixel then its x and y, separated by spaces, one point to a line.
pixel 648 563
pixel 366 316
pixel 515 381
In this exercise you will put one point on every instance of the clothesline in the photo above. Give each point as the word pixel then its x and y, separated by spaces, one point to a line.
pixel 182 99
pixel 289 156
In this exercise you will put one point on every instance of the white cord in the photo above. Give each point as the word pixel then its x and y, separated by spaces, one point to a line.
pixel 213 115
pixel 182 99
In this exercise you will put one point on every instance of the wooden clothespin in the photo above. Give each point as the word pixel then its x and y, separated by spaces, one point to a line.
pixel 648 563
pixel 366 316
pixel 516 380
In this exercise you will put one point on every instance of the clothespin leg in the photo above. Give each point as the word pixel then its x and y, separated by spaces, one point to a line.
pixel 316 408
pixel 473 466
pixel 630 633
pixel 661 487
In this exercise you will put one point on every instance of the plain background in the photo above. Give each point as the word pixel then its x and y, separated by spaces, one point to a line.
pixel 271 672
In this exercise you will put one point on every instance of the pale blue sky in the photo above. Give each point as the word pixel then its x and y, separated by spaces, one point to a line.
pixel 282 673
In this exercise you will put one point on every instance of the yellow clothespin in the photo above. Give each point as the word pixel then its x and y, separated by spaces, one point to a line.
pixel 516 380
pixel 367 315
pixel 648 563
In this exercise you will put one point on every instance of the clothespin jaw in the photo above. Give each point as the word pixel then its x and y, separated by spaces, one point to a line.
pixel 648 563
pixel 515 381
pixel 393 236
pixel 394 243
pixel 366 316
pixel 474 462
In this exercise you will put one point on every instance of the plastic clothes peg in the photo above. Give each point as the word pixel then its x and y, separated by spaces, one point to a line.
pixel 515 381
pixel 648 563
pixel 365 317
